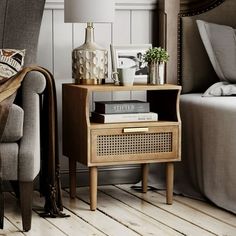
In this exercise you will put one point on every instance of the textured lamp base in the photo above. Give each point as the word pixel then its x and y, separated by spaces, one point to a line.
pixel 89 65
pixel 89 61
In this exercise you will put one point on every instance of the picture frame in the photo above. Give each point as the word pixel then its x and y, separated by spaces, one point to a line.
pixel 127 56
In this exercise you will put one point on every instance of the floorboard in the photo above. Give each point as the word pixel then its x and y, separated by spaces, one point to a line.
pixel 122 211
pixel 156 213
pixel 196 217
pixel 10 229
pixel 127 216
pixel 207 208
pixel 72 225
pixel 101 221
pixel 40 226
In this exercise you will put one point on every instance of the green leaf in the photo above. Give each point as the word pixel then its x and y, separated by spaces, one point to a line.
pixel 156 54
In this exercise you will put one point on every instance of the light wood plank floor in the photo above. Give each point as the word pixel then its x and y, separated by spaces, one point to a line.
pixel 123 211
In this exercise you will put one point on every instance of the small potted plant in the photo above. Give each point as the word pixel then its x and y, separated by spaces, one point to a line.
pixel 156 58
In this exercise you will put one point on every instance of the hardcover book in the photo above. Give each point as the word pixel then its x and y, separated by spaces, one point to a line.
pixel 126 117
pixel 122 106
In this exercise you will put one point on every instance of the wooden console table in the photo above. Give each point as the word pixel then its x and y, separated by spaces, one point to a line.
pixel 94 144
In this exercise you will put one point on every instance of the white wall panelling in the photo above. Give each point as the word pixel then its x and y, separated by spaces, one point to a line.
pixel 133 24
pixel 121 27
pixel 122 35
pixel 62 37
pixel 140 27
pixel 45 45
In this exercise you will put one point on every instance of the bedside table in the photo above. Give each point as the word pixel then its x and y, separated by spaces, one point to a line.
pixel 95 144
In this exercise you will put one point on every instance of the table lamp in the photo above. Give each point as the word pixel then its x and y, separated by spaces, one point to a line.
pixel 89 61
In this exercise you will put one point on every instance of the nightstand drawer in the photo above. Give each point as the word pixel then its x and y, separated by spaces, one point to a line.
pixel 134 144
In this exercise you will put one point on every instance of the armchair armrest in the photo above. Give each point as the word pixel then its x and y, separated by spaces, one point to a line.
pixel 29 147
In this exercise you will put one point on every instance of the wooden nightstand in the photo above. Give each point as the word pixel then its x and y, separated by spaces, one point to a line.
pixel 94 144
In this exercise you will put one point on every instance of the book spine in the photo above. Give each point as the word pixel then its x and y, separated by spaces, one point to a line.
pixel 120 118
pixel 122 108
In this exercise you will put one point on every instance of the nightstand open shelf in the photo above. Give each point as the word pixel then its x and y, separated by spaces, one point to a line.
pixel 96 144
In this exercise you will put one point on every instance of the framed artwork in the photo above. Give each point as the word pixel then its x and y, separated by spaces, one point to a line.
pixel 123 56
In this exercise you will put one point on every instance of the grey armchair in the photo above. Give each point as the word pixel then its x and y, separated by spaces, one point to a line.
pixel 20 22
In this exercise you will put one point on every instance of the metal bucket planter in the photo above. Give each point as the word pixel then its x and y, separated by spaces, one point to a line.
pixel 156 73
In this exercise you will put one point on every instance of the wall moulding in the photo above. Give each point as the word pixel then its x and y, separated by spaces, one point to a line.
pixel 120 4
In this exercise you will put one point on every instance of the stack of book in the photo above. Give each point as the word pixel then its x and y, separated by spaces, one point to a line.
pixel 123 111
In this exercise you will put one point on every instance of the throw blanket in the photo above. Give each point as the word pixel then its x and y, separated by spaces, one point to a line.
pixel 50 183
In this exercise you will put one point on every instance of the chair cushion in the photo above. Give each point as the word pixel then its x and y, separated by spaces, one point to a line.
pixel 9 160
pixel 14 126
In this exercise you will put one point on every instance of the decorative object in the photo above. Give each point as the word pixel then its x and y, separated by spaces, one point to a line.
pixel 126 75
pixel 11 62
pixel 125 56
pixel 156 58
pixel 89 61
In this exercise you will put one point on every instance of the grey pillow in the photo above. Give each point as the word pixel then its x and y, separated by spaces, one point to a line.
pixel 220 44
pixel 220 89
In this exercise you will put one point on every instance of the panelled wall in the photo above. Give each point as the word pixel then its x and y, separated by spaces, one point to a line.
pixel 134 21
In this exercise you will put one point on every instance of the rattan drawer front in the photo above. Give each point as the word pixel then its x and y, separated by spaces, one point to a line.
pixel 115 145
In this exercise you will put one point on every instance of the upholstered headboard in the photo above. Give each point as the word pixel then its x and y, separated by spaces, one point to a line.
pixel 195 72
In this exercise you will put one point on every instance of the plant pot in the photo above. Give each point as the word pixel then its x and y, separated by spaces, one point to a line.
pixel 156 73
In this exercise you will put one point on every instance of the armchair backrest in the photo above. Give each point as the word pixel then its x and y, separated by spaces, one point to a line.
pixel 20 22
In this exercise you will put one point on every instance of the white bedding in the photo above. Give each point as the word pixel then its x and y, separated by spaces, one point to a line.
pixel 209 146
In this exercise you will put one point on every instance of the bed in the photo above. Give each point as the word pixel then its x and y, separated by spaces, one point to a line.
pixel 208 162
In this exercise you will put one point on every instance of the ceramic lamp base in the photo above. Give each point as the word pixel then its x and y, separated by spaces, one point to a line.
pixel 89 61
pixel 89 66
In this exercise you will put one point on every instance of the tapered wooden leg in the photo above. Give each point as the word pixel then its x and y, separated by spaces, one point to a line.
pixel 144 177
pixel 26 196
pixel 72 176
pixel 169 182
pixel 93 172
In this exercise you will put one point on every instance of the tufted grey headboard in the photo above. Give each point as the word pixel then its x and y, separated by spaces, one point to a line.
pixel 195 72
pixel 20 22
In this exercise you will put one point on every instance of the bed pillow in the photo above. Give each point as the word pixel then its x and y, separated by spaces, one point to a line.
pixel 11 62
pixel 220 89
pixel 220 44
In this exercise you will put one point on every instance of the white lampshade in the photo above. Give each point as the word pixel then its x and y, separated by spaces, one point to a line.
pixel 83 11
